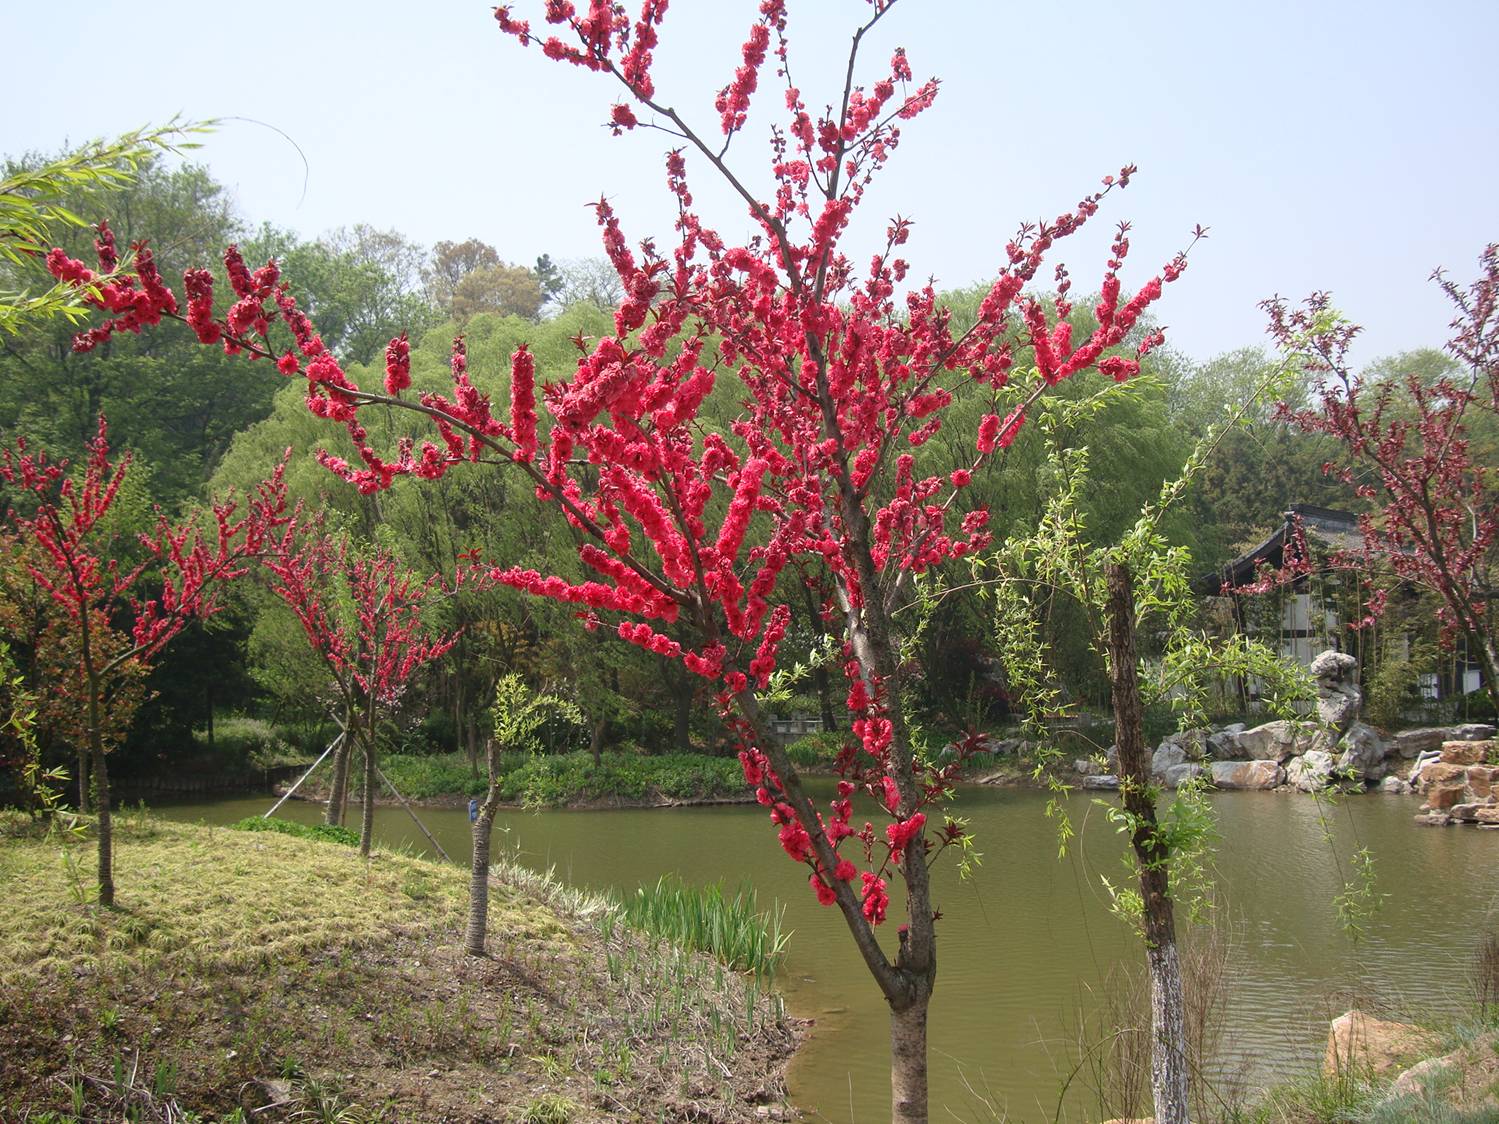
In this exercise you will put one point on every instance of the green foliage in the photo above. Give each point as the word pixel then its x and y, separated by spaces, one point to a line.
pixel 243 742
pixel 1393 686
pixel 733 930
pixel 520 715
pixel 557 780
pixel 817 751
pixel 36 204
pixel 571 778
pixel 548 1108
pixel 1063 560
pixel 323 832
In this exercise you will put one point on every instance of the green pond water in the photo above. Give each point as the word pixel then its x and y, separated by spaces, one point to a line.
pixel 1025 942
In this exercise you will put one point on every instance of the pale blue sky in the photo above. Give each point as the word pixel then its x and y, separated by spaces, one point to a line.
pixel 1339 145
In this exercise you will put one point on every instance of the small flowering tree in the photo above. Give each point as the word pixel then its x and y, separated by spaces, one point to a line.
pixel 1407 450
pixel 61 517
pixel 841 380
pixel 364 617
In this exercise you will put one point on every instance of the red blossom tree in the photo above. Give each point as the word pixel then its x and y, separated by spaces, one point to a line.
pixel 688 529
pixel 365 618
pixel 1407 450
pixel 120 615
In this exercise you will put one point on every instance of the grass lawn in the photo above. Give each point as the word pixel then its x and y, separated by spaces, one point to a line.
pixel 269 976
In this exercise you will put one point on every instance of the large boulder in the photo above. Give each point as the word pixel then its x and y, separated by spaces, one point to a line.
pixel 1311 771
pixel 1411 743
pixel 1105 781
pixel 1193 743
pixel 1223 745
pixel 1274 741
pixel 1178 775
pixel 1167 756
pixel 1465 752
pixel 1442 774
pixel 1482 781
pixel 1338 697
pixel 1471 813
pixel 1472 732
pixel 1395 786
pixel 1363 753
pixel 1359 1043
pixel 1247 774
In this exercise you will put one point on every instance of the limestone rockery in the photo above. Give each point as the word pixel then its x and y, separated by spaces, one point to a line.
pixel 1447 764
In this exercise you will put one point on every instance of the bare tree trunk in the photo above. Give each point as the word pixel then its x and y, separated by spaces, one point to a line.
pixel 84 800
pixel 908 1093
pixel 1168 1057
pixel 596 740
pixel 106 828
pixel 478 885
pixel 99 767
pixel 334 812
pixel 367 818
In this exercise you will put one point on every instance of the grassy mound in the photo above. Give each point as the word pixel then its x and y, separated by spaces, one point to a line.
pixel 268 976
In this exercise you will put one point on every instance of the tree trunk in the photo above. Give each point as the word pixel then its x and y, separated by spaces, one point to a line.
pixel 367 819
pixel 596 740
pixel 334 812
pixel 908 1095
pixel 106 830
pixel 83 781
pixel 1168 1039
pixel 478 885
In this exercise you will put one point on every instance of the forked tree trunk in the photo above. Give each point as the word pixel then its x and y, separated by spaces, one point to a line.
pixel 1168 1032
pixel 334 812
pixel 478 884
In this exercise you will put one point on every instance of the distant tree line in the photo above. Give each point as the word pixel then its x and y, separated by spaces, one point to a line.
pixel 195 421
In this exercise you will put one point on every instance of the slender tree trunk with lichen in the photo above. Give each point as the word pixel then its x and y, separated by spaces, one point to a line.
pixel 367 815
pixel 478 886
pixel 1168 1033
pixel 338 791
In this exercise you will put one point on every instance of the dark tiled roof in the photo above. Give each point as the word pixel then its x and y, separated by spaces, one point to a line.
pixel 1336 530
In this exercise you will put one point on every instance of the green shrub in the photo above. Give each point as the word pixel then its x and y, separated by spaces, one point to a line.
pixel 421 776
pixel 572 777
pixel 566 778
pixel 326 833
pixel 251 743
pixel 817 751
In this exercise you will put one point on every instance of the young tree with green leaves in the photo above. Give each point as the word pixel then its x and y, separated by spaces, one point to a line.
pixel 1133 585
pixel 519 716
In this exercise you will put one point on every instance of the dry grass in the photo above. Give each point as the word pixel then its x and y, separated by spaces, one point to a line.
pixel 241 962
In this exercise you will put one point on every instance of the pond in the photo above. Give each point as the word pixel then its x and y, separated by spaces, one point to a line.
pixel 1026 942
